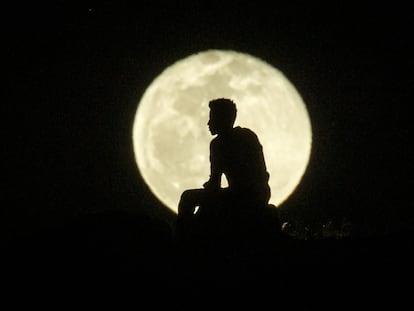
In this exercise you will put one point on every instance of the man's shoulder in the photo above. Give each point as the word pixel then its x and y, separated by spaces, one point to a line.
pixel 243 131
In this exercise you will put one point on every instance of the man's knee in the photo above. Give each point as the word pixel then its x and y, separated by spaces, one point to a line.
pixel 188 201
pixel 186 194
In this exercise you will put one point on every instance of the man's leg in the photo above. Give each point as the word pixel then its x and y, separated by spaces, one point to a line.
pixel 187 224
pixel 189 200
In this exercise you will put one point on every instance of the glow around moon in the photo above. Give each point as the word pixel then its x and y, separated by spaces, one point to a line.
pixel 170 134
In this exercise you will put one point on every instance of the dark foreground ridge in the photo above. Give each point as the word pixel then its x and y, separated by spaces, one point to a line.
pixel 117 248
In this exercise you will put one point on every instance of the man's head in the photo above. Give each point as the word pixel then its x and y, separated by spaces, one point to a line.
pixel 222 115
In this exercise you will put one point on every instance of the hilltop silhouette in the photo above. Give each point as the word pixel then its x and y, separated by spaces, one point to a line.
pixel 114 248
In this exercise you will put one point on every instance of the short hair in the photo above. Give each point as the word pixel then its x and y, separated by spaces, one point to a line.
pixel 225 107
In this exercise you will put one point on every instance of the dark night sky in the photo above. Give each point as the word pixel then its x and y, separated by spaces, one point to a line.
pixel 76 72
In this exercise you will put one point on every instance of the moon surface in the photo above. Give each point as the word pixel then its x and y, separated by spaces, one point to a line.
pixel 170 133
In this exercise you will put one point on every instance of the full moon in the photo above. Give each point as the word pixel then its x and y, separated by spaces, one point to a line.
pixel 170 134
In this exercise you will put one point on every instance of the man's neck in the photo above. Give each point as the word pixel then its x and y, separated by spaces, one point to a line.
pixel 225 132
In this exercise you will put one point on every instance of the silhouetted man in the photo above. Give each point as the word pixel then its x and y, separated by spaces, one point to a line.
pixel 237 154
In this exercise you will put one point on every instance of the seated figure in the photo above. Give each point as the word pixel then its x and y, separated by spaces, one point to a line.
pixel 236 154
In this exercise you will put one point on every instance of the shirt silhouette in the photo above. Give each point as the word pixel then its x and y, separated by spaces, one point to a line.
pixel 237 154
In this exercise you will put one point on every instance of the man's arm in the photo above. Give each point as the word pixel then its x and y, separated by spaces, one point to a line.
pixel 214 183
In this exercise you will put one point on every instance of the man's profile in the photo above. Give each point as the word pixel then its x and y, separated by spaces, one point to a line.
pixel 236 154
